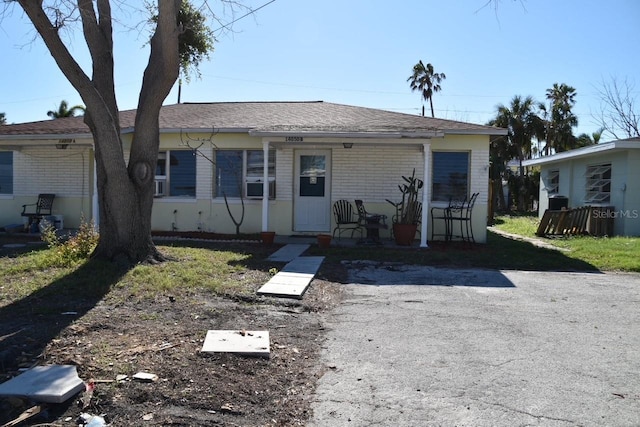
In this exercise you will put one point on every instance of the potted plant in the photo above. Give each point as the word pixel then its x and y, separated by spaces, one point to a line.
pixel 324 241
pixel 267 237
pixel 406 218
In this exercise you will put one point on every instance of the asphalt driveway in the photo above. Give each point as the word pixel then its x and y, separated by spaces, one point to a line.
pixel 421 346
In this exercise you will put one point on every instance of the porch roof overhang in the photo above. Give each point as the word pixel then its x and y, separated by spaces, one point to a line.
pixel 592 150
pixel 45 137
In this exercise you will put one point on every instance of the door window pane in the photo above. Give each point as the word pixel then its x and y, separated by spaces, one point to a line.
pixel 312 165
pixel 312 171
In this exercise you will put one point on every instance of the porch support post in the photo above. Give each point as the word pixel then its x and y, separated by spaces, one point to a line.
pixel 426 148
pixel 265 185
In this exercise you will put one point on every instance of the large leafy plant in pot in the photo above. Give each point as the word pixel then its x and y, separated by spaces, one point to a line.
pixel 405 220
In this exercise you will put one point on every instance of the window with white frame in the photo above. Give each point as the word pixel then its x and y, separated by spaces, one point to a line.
pixel 176 174
pixel 553 181
pixel 598 184
pixel 6 172
pixel 450 175
pixel 240 173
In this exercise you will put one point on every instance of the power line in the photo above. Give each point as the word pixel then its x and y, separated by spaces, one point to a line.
pixel 251 12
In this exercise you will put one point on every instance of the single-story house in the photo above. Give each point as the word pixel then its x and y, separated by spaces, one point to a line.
pixel 306 155
pixel 604 175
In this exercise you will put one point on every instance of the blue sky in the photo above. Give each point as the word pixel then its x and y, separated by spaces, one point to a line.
pixel 361 52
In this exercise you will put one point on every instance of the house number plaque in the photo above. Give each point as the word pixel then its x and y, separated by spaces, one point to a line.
pixel 293 139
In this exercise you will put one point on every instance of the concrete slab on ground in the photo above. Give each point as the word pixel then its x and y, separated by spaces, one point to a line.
pixel 247 343
pixel 47 384
pixel 288 252
pixel 304 264
pixel 294 279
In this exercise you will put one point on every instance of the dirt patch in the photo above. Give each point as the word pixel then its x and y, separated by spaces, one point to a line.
pixel 120 336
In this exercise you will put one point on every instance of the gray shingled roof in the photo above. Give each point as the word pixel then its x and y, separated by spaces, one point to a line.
pixel 267 117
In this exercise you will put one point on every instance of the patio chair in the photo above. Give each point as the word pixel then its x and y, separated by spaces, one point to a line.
pixel 443 215
pixel 463 216
pixel 38 210
pixel 371 222
pixel 346 219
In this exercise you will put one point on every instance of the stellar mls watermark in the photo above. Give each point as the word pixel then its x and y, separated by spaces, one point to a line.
pixel 622 213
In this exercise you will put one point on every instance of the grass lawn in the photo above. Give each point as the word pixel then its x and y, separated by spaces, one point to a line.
pixel 603 253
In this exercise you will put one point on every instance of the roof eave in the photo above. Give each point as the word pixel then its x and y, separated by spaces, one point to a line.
pixel 346 134
pixel 199 130
pixel 496 131
pixel 45 136
pixel 583 152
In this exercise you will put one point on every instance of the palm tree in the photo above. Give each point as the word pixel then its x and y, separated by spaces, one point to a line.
pixel 524 124
pixel 426 81
pixel 585 139
pixel 560 120
pixel 65 111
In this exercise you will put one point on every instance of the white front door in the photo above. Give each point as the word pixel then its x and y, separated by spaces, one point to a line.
pixel 312 199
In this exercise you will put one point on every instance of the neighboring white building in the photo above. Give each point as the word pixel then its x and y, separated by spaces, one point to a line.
pixel 606 175
pixel 316 153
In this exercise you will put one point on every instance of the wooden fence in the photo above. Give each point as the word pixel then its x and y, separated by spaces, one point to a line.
pixel 576 221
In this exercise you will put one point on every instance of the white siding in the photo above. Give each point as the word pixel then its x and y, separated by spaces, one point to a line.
pixel 48 170
pixel 372 173
pixel 480 175
pixel 284 174
pixel 204 174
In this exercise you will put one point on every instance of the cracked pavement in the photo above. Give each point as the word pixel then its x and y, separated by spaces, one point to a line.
pixel 425 346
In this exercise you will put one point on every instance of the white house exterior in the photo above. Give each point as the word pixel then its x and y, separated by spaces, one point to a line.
pixel 606 175
pixel 315 153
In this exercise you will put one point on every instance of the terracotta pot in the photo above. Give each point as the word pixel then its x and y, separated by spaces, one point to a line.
pixel 324 241
pixel 267 237
pixel 404 233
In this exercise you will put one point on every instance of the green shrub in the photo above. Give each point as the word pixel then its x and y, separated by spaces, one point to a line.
pixel 76 248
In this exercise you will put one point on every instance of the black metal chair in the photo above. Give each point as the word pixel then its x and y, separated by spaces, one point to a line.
pixel 371 222
pixel 346 219
pixel 40 209
pixel 444 215
pixel 463 215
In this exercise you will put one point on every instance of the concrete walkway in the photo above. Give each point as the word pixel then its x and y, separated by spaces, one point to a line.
pixel 296 276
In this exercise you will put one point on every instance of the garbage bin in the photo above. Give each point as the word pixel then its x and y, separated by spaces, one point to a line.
pixel 557 203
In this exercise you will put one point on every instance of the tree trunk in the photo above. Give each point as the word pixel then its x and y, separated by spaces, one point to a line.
pixel 125 193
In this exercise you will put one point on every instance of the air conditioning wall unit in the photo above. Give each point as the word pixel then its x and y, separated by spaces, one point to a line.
pixel 160 187
pixel 253 189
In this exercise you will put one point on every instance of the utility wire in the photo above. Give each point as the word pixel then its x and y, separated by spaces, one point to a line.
pixel 251 12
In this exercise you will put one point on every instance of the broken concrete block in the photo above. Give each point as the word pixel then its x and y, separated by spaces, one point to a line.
pixel 145 377
pixel 49 384
pixel 247 343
